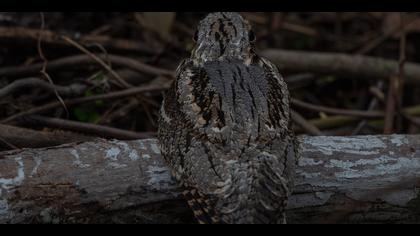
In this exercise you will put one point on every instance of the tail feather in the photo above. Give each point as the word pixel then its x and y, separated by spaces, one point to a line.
pixel 201 206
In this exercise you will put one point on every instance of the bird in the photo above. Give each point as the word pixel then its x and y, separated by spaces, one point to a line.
pixel 225 127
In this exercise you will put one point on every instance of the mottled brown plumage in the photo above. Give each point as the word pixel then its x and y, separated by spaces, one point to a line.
pixel 225 127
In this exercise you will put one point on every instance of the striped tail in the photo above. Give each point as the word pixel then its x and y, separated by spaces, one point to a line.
pixel 201 206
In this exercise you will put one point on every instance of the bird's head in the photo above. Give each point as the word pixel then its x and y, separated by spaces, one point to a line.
pixel 223 35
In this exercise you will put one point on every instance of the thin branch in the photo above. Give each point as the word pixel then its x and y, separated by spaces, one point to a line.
pixel 372 105
pixel 98 60
pixel 343 65
pixel 336 111
pixel 28 138
pixel 10 145
pixel 401 75
pixel 414 120
pixel 120 112
pixel 381 39
pixel 45 63
pixel 25 35
pixel 71 90
pixel 305 125
pixel 72 102
pixel 337 121
pixel 84 60
pixel 395 90
pixel 86 128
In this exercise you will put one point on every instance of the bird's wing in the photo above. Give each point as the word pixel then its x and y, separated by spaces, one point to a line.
pixel 179 121
pixel 278 95
pixel 280 98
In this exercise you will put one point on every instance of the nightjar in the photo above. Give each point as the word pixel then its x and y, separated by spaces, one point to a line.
pixel 225 127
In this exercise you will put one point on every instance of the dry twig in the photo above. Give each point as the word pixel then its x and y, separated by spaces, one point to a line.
pixel 336 111
pixel 91 129
pixel 344 65
pixel 305 125
pixel 72 102
pixel 395 90
pixel 83 60
pixel 71 90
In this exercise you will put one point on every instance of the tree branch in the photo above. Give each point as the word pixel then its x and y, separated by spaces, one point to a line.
pixel 87 128
pixel 25 35
pixel 15 86
pixel 71 102
pixel 27 138
pixel 345 65
pixel 83 60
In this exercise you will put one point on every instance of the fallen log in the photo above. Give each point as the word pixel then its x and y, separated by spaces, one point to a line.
pixel 363 179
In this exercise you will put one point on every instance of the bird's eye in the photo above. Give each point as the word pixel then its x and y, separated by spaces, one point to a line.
pixel 251 36
pixel 195 38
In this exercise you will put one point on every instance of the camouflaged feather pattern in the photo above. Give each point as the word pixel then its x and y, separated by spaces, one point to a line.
pixel 225 128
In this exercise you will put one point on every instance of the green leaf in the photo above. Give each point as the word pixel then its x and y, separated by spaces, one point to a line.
pixel 326 80
pixel 89 93
pixel 85 115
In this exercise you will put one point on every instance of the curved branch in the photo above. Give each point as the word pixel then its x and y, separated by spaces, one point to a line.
pixel 71 90
pixel 72 102
pixel 83 60
pixel 86 128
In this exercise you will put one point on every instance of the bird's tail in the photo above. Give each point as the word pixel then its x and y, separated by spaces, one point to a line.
pixel 201 206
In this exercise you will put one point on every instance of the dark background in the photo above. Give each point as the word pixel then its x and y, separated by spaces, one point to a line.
pixel 335 102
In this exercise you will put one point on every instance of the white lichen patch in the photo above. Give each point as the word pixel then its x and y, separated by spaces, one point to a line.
pixel 125 147
pixel 38 162
pixel 309 175
pixel 117 165
pixel 351 145
pixel 4 207
pixel 112 154
pixel 155 148
pixel 399 140
pixel 145 156
pixel 348 165
pixel 305 161
pixel 5 183
pixel 134 156
pixel 77 161
pixel 158 177
pixel 408 165
pixel 127 150
pixel 385 166
pixel 141 145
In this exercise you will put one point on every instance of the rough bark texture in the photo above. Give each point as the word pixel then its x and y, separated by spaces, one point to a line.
pixel 365 179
